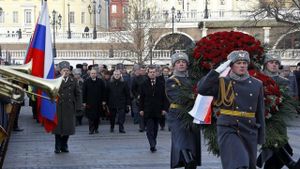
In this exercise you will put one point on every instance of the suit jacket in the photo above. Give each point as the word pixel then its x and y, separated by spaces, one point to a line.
pixel 153 98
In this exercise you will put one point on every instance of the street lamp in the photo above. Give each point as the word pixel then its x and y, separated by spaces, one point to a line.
pixel 94 11
pixel 107 14
pixel 69 28
pixel 205 10
pixel 56 21
pixel 178 17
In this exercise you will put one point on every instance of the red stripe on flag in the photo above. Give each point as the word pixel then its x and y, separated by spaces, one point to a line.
pixel 38 63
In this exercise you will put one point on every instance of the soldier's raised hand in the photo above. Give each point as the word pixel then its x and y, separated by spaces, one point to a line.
pixel 223 66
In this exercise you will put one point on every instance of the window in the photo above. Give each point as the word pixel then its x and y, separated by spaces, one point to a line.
pixel 72 17
pixel 15 16
pixel 113 23
pixel 222 2
pixel 114 9
pixel 193 13
pixel 27 18
pixel 82 17
pixel 2 17
pixel 221 13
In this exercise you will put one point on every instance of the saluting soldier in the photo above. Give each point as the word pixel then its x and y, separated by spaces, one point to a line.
pixel 185 148
pixel 68 103
pixel 240 100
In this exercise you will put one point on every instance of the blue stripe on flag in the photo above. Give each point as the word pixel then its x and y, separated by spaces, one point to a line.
pixel 39 38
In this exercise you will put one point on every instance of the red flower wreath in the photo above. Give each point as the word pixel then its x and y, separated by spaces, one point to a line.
pixel 214 48
pixel 272 95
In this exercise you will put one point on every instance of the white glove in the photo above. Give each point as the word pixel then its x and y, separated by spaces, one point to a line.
pixel 223 66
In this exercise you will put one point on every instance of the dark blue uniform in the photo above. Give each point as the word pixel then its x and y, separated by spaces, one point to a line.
pixel 240 126
pixel 182 138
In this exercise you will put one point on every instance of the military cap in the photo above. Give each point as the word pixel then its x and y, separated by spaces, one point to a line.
pixel 64 64
pixel 272 57
pixel 238 55
pixel 179 56
pixel 84 64
pixel 77 71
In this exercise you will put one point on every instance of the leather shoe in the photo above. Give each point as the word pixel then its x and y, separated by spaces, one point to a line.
pixel 91 132
pixel 18 129
pixel 141 130
pixel 56 151
pixel 96 131
pixel 111 130
pixel 122 131
pixel 64 150
pixel 153 149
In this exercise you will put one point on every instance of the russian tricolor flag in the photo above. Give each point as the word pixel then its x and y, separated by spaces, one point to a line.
pixel 202 111
pixel 40 52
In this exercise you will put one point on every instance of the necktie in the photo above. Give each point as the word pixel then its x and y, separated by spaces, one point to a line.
pixel 152 82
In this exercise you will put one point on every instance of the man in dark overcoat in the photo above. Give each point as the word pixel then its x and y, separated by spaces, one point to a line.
pixel 186 147
pixel 240 121
pixel 68 103
pixel 153 104
pixel 136 83
pixel 118 99
pixel 93 99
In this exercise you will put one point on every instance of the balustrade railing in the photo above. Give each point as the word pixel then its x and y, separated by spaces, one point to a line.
pixel 288 56
pixel 104 37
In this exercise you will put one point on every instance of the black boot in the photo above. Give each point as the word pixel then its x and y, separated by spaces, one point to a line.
pixel 286 159
pixel 58 142
pixel 190 162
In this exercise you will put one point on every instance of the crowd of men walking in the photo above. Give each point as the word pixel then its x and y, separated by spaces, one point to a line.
pixel 153 93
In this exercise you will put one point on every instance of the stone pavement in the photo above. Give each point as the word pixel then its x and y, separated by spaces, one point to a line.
pixel 33 148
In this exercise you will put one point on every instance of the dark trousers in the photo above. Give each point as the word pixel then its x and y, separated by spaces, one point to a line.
pixel 135 111
pixel 79 119
pixel 61 142
pixel 152 129
pixel 162 121
pixel 94 124
pixel 121 118
pixel 16 122
pixel 275 161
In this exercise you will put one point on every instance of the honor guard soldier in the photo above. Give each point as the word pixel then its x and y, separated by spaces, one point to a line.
pixel 185 148
pixel 240 121
pixel 68 103
pixel 278 157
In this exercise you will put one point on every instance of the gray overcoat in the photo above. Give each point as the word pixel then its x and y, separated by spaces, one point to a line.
pixel 182 138
pixel 238 136
pixel 68 103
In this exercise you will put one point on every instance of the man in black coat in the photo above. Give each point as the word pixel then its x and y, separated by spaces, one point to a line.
pixel 153 104
pixel 93 99
pixel 136 84
pixel 118 98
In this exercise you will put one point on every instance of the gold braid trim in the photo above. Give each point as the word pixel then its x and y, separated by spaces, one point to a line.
pixel 226 96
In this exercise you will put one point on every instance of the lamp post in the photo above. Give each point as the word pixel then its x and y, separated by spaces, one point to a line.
pixel 107 14
pixel 69 27
pixel 205 10
pixel 177 16
pixel 93 10
pixel 56 21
